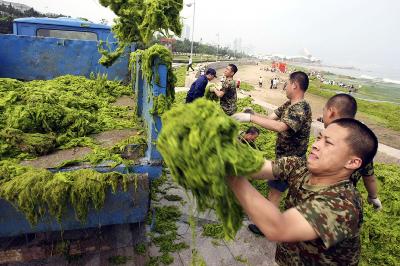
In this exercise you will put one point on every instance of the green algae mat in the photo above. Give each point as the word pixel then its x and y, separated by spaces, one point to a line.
pixel 40 117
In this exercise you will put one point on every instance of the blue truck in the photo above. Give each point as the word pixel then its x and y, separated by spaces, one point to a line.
pixel 44 48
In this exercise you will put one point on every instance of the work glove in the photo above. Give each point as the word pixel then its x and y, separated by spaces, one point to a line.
pixel 242 117
pixel 212 88
pixel 375 202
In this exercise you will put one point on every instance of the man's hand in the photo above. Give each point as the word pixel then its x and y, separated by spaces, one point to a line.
pixel 242 117
pixel 375 202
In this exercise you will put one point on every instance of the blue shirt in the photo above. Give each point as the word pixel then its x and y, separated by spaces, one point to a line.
pixel 197 89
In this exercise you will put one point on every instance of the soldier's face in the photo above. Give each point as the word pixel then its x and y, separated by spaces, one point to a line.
pixel 228 72
pixel 327 116
pixel 250 137
pixel 290 88
pixel 331 153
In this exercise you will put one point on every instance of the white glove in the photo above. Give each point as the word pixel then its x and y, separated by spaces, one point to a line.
pixel 375 202
pixel 242 117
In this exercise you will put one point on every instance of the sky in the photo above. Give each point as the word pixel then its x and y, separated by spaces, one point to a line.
pixel 359 33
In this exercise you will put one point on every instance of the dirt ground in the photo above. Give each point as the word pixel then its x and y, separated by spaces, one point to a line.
pixel 251 73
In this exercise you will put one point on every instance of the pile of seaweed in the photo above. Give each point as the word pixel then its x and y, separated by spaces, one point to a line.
pixel 199 144
pixel 137 21
pixel 38 117
pixel 38 192
pixel 149 59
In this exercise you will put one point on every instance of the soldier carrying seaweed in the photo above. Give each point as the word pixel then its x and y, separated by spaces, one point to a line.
pixel 292 121
pixel 323 211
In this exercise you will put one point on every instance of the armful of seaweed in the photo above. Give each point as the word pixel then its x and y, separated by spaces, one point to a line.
pixel 289 226
pixel 219 92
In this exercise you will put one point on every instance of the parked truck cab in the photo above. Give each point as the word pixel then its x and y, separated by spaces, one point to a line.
pixel 63 28
pixel 45 48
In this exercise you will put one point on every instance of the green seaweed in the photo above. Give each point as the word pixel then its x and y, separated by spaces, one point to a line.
pixel 141 248
pixel 138 20
pixel 213 230
pixel 160 105
pixel 37 192
pixel 200 147
pixel 38 117
pixel 149 59
pixel 211 95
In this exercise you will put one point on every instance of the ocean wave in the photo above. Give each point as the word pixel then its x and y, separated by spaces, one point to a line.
pixel 391 81
pixel 367 77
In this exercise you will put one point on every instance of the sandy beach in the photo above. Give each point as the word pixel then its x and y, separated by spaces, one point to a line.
pixel 251 73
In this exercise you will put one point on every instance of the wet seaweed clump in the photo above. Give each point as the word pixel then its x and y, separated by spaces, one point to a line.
pixel 137 21
pixel 38 117
pixel 151 58
pixel 211 95
pixel 39 192
pixel 199 144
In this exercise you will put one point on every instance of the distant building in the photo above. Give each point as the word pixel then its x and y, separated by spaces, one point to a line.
pixel 297 59
pixel 186 32
pixel 237 45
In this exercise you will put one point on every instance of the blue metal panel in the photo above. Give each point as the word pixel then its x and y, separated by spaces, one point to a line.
pixel 119 208
pixel 30 58
pixel 72 22
pixel 153 122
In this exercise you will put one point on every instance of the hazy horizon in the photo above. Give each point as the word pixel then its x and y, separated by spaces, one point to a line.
pixel 345 33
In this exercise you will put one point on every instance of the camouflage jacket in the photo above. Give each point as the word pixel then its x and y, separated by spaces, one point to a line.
pixel 228 101
pixel 367 170
pixel 294 141
pixel 334 211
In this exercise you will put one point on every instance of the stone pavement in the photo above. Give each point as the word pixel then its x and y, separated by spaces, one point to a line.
pixel 245 249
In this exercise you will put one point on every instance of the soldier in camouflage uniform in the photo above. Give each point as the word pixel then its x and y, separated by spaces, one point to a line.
pixel 298 118
pixel 323 216
pixel 227 93
pixel 343 105
pixel 292 121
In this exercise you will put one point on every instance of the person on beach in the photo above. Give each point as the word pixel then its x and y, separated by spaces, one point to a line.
pixel 249 136
pixel 292 122
pixel 322 219
pixel 227 93
pixel 189 65
pixel 198 87
pixel 345 106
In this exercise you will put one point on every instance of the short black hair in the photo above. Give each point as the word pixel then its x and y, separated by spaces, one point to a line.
pixel 211 71
pixel 301 78
pixel 253 130
pixel 234 68
pixel 344 103
pixel 362 140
